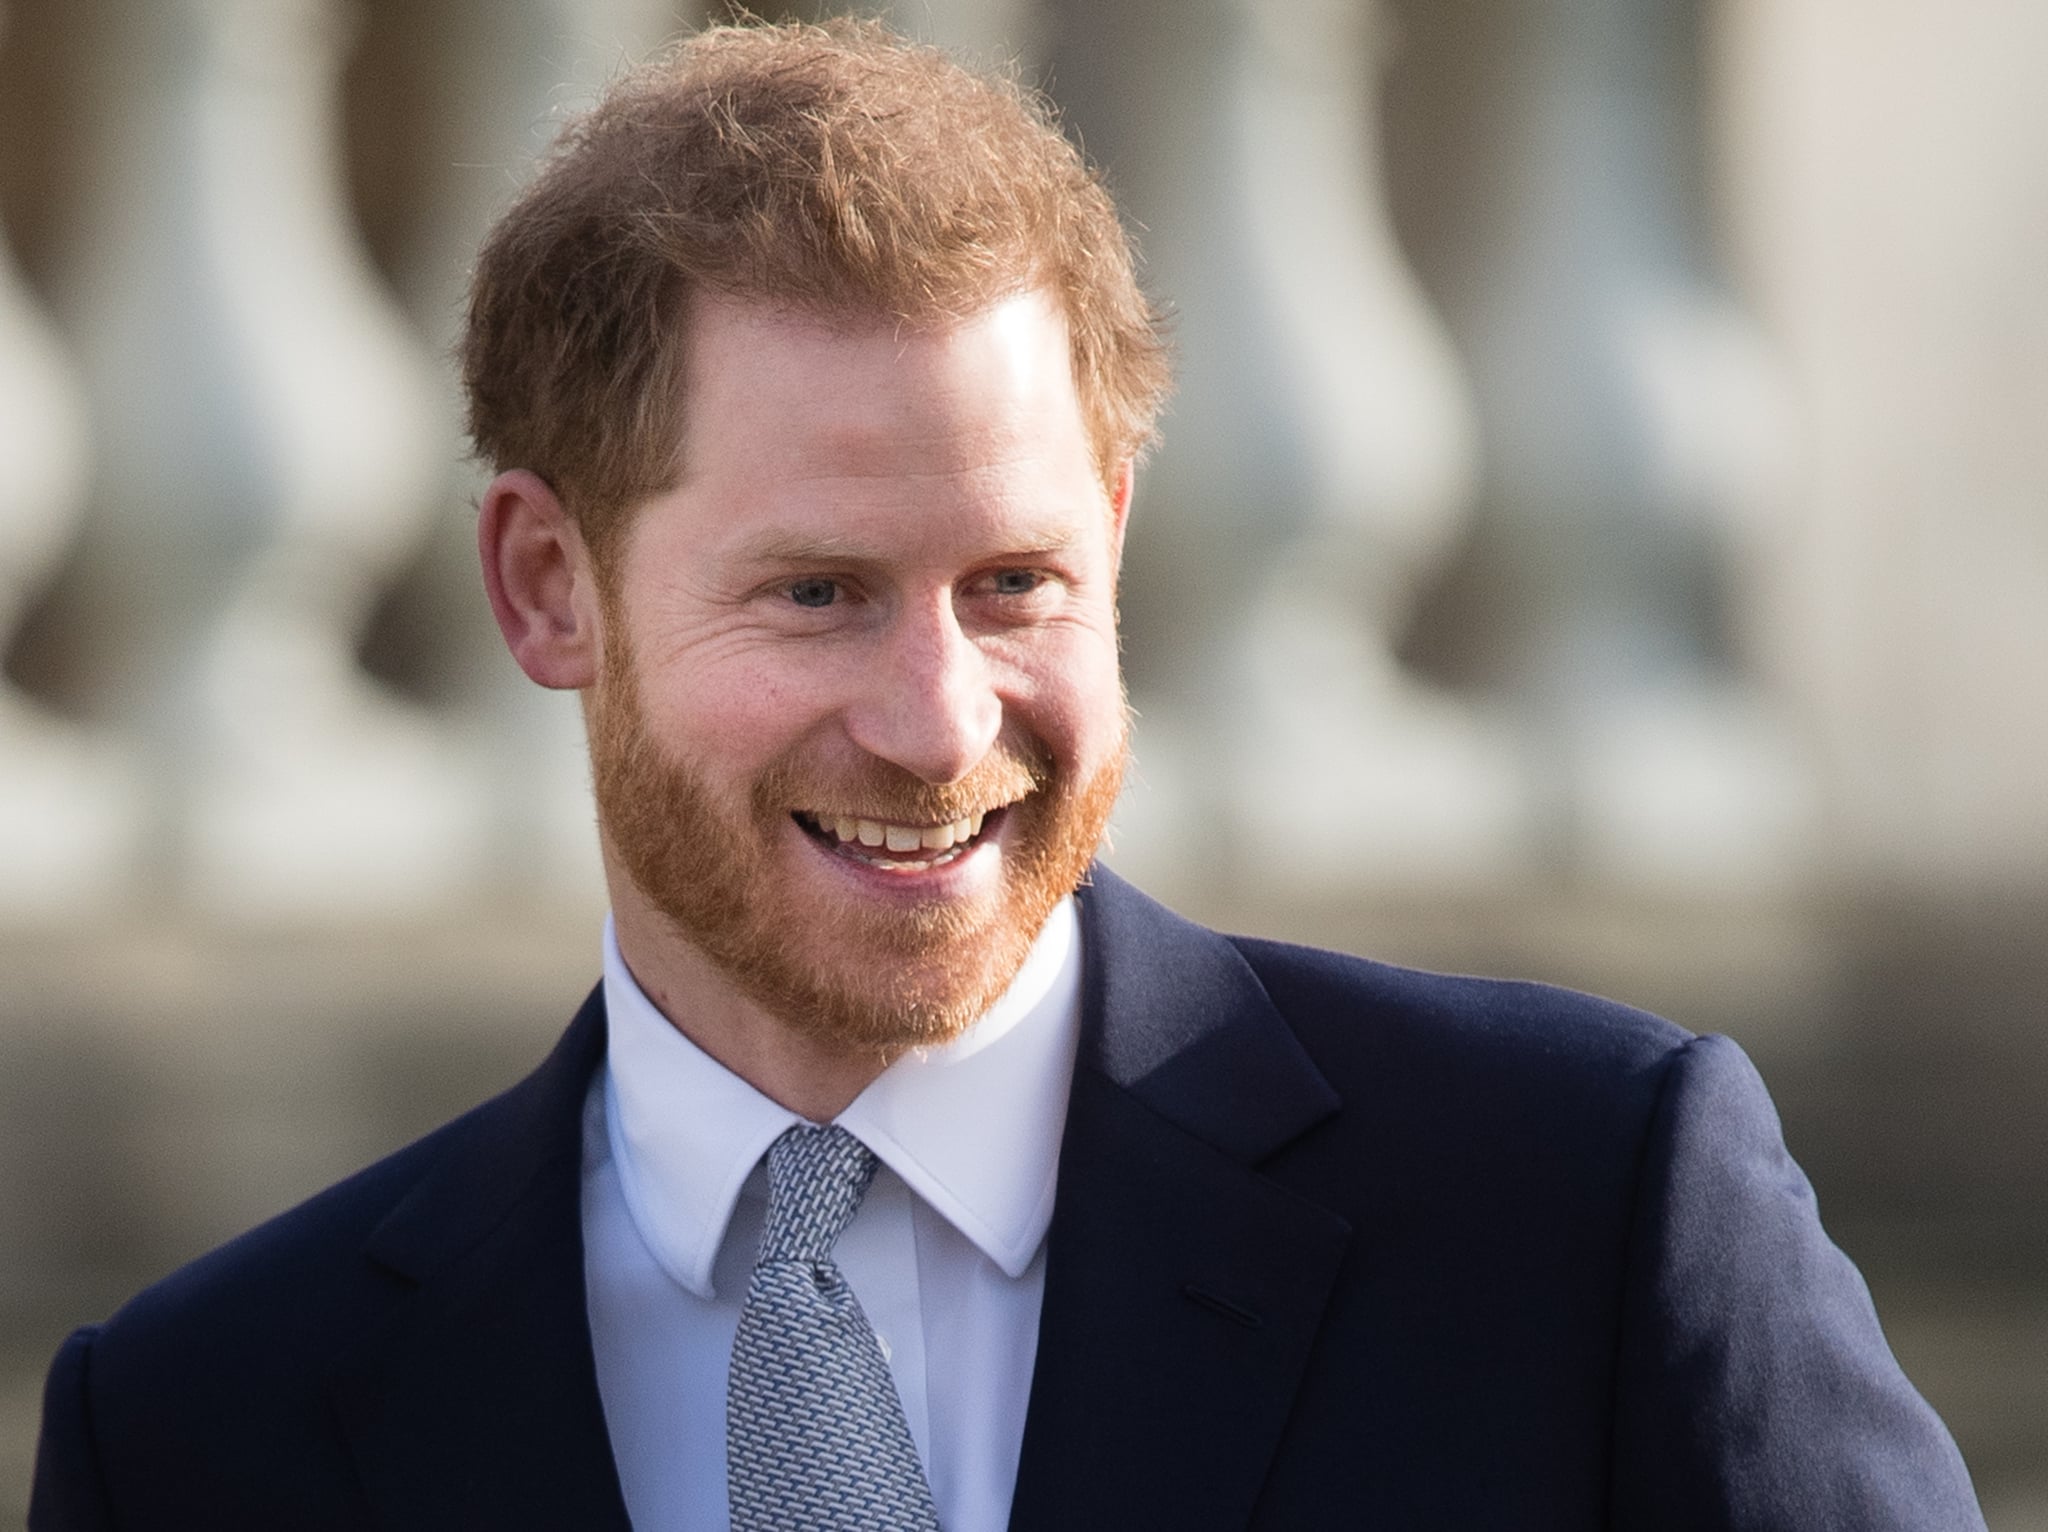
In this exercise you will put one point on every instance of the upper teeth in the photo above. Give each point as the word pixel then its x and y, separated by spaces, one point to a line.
pixel 895 837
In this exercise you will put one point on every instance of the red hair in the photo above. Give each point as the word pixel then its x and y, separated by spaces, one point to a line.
pixel 836 168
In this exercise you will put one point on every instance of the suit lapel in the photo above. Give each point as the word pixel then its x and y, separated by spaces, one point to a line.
pixel 1183 1287
pixel 476 1402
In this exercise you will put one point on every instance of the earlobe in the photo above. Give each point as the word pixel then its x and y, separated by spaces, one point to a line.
pixel 538 575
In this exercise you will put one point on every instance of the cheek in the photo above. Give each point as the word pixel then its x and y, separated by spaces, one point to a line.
pixel 740 715
pixel 1072 698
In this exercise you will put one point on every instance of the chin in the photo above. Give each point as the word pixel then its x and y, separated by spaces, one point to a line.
pixel 918 1005
pixel 887 979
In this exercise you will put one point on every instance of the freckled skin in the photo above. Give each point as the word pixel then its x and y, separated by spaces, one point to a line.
pixel 885 584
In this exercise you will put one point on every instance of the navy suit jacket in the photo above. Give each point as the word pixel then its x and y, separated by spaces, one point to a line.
pixel 1335 1245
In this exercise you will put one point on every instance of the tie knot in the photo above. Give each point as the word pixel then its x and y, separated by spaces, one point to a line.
pixel 816 1178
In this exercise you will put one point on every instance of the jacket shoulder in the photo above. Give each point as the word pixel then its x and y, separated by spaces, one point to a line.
pixel 282 1299
pixel 208 1388
pixel 1520 1109
pixel 212 1387
pixel 1353 1013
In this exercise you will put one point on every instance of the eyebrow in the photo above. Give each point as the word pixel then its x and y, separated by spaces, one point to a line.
pixel 806 548
pixel 795 548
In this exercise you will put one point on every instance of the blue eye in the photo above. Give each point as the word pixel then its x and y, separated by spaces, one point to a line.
pixel 814 593
pixel 1017 582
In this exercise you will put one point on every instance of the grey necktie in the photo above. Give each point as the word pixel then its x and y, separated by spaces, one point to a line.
pixel 815 1439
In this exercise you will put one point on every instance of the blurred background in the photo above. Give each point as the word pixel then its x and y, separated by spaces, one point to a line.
pixel 1602 534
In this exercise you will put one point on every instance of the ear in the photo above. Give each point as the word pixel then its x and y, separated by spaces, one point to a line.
pixel 1120 511
pixel 540 579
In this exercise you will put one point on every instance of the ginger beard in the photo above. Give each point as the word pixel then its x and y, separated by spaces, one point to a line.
pixel 858 975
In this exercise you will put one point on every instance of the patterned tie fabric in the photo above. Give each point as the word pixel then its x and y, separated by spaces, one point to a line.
pixel 815 1439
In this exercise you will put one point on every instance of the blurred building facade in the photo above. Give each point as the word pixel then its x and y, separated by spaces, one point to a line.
pixel 1602 532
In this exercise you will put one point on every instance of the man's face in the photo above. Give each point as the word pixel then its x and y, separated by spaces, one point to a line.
pixel 859 724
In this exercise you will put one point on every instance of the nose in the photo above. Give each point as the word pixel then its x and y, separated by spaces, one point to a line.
pixel 928 703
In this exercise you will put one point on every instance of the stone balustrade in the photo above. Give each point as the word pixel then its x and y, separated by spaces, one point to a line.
pixel 1509 551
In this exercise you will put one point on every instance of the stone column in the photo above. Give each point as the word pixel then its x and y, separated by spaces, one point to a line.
pixel 988 31
pixel 270 453
pixel 1316 467
pixel 1637 441
pixel 70 807
pixel 1888 178
pixel 507 74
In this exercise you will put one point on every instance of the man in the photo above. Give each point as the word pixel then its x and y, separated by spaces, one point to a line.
pixel 888 1180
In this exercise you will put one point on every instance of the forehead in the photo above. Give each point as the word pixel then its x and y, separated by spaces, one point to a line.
pixel 869 394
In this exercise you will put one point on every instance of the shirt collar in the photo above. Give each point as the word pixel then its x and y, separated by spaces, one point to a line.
pixel 972 1127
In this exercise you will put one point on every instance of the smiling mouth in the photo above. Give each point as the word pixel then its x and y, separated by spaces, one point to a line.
pixel 895 847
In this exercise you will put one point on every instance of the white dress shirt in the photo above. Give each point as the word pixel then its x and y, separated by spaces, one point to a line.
pixel 945 1253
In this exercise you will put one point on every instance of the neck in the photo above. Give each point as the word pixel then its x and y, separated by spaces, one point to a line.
pixel 811 1078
